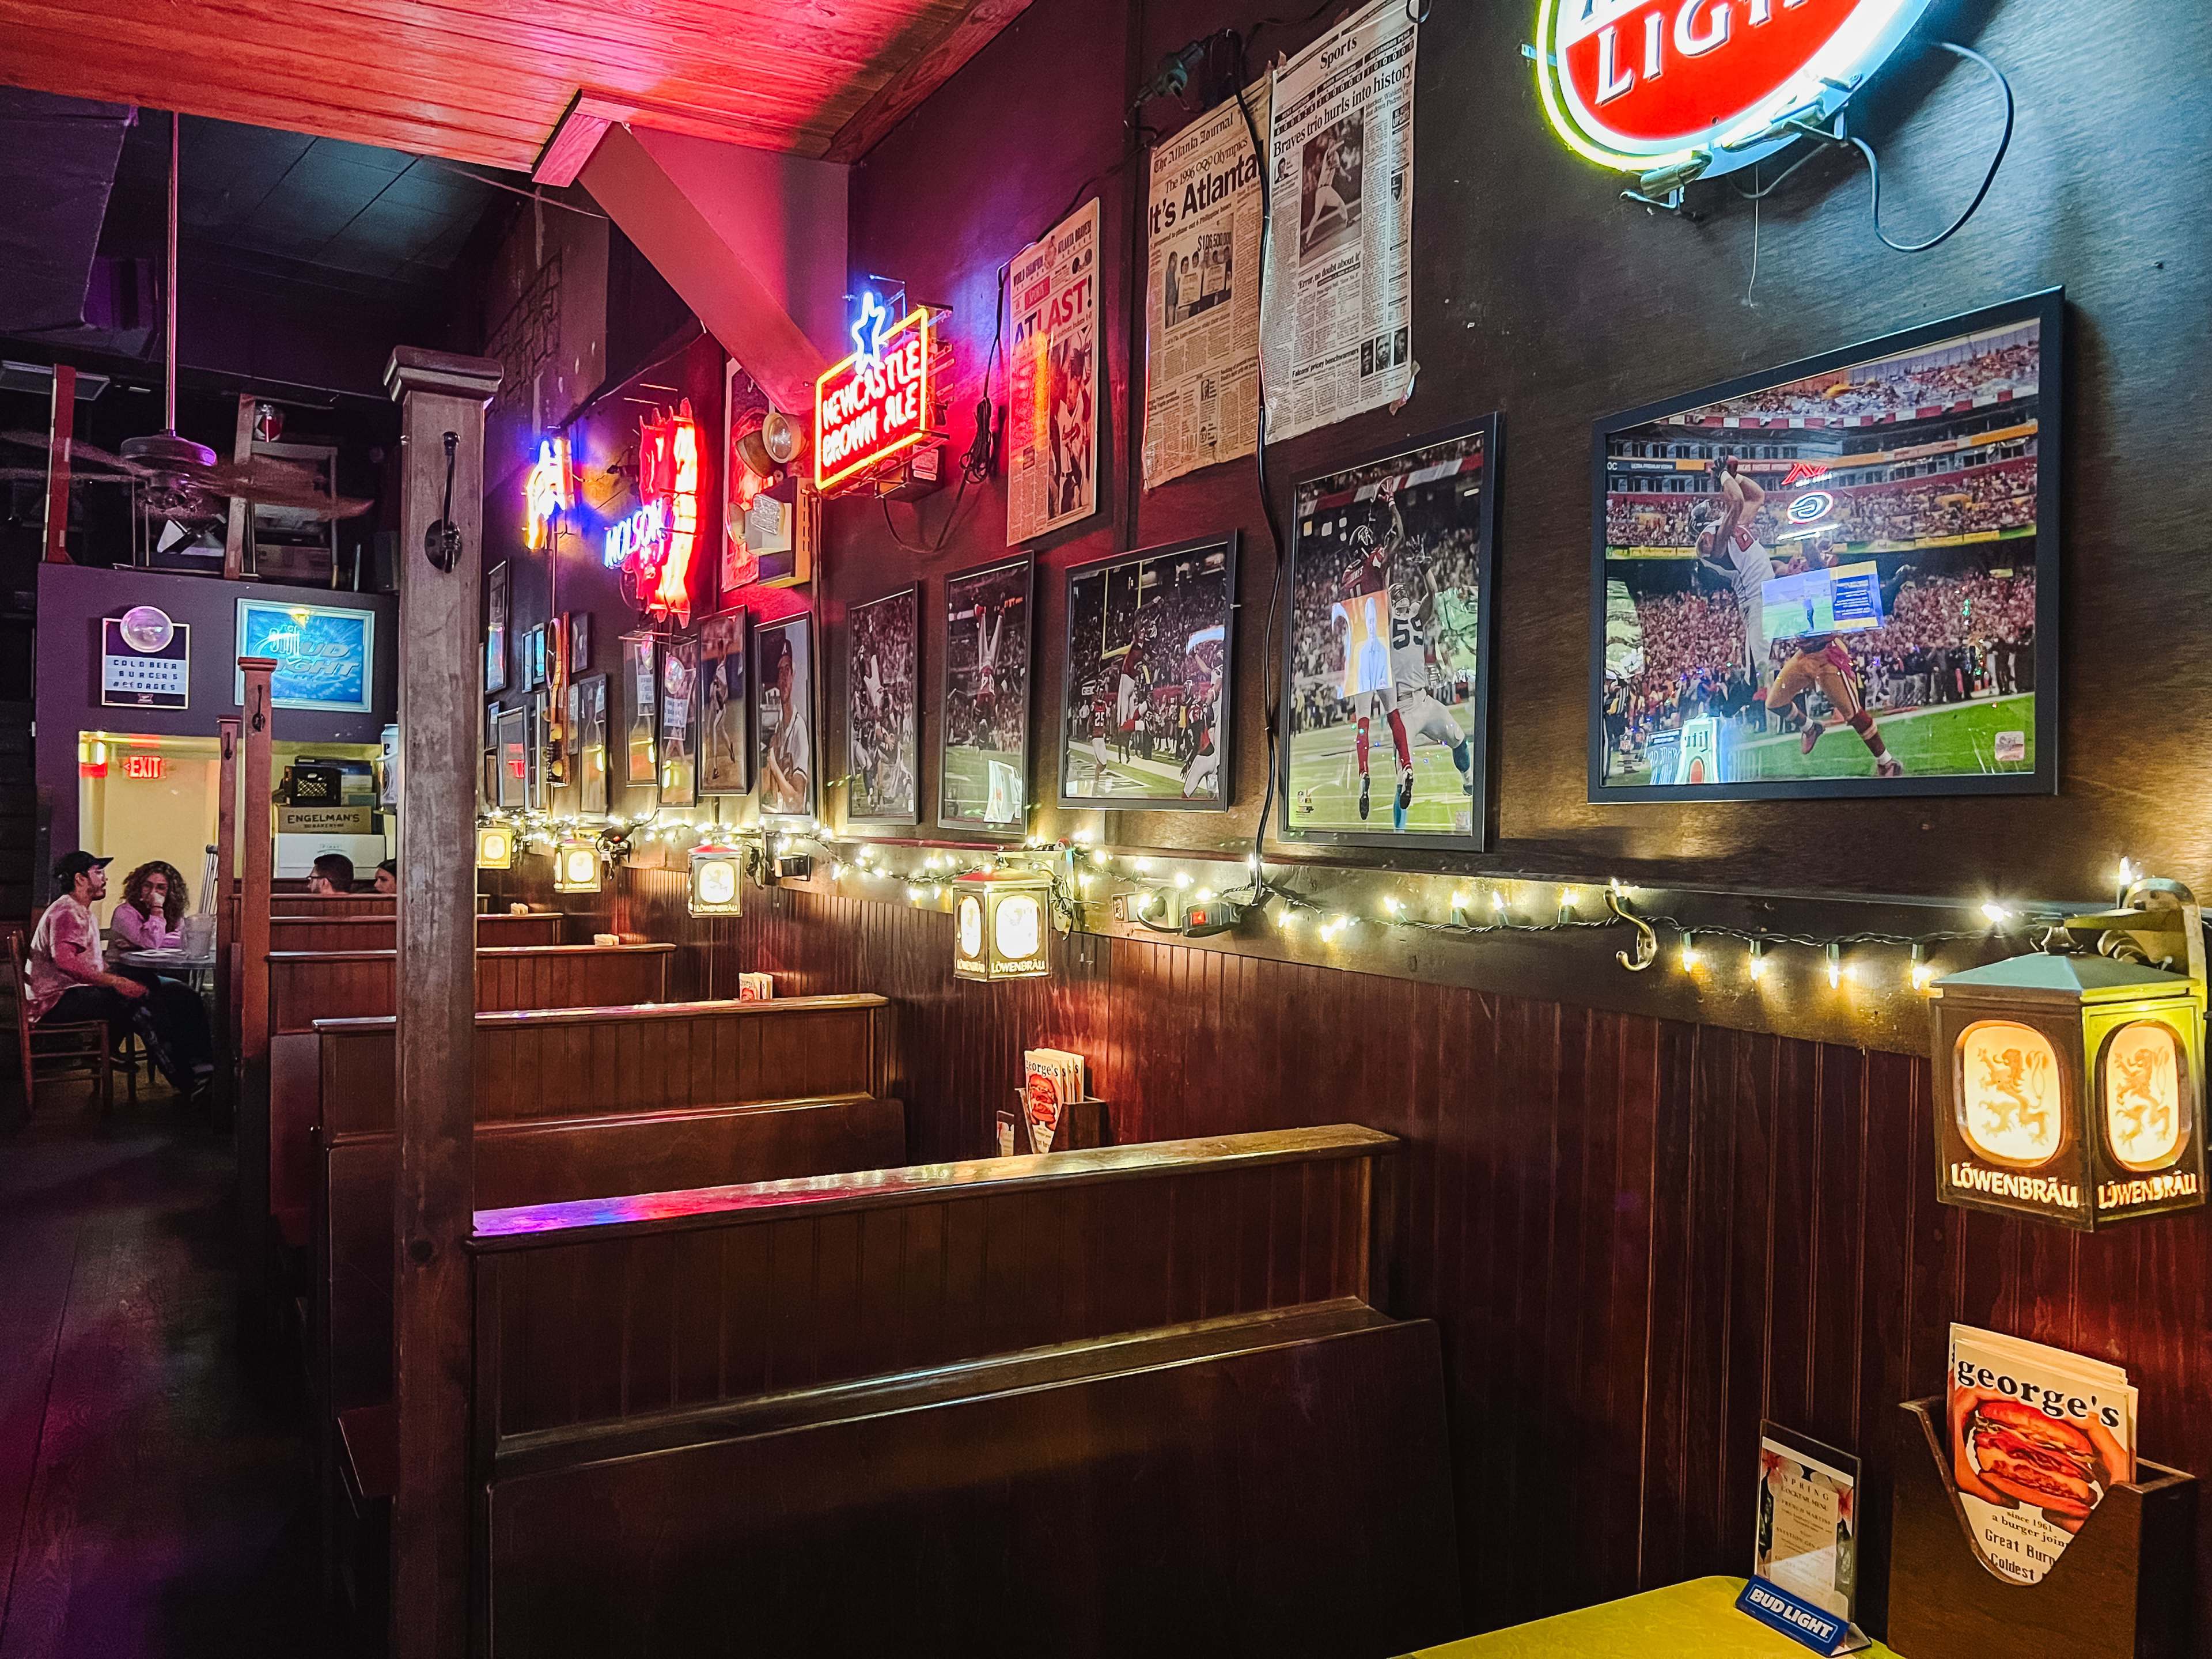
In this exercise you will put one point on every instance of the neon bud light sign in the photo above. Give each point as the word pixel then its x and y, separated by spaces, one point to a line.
pixel 876 402
pixel 1653 85
pixel 655 543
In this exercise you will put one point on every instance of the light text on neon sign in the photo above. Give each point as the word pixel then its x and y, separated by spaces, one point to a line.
pixel 875 403
pixel 657 541
pixel 1649 84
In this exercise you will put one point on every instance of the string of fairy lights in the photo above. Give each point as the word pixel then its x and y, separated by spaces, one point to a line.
pixel 1160 897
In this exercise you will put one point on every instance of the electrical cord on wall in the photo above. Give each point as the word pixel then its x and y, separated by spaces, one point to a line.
pixel 2004 143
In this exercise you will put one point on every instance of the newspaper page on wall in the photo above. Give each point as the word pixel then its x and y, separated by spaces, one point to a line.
pixel 1051 423
pixel 1202 293
pixel 1337 313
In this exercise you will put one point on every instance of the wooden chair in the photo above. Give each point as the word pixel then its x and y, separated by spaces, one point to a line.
pixel 52 1050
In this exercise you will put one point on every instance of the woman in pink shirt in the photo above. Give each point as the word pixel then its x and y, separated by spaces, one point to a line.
pixel 152 915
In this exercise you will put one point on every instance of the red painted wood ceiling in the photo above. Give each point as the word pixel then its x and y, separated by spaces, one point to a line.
pixel 487 81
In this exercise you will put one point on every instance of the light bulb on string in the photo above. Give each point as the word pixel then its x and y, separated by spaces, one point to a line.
pixel 1922 974
pixel 1837 971
pixel 1691 956
pixel 1757 967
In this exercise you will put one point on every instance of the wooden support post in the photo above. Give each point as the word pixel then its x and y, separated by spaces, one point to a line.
pixel 256 836
pixel 226 922
pixel 62 429
pixel 442 399
pixel 233 535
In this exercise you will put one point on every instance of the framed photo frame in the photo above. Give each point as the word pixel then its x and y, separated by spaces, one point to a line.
pixel 1147 715
pixel 510 742
pixel 726 704
pixel 495 615
pixel 983 724
pixel 641 669
pixel 325 654
pixel 1838 577
pixel 533 774
pixel 1388 655
pixel 783 717
pixel 882 710
pixel 591 768
pixel 579 642
pixel 679 687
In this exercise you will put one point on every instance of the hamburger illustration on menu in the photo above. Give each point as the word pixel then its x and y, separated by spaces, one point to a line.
pixel 2037 1437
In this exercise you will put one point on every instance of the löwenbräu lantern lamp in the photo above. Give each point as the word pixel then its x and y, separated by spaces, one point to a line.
pixel 1000 920
pixel 494 847
pixel 576 865
pixel 717 874
pixel 2069 1083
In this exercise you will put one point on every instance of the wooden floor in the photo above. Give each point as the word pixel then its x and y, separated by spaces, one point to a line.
pixel 152 1500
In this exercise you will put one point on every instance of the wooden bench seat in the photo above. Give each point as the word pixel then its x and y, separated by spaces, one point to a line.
pixel 975 1404
pixel 276 1121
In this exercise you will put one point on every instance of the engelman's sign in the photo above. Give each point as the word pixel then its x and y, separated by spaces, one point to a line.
pixel 1650 84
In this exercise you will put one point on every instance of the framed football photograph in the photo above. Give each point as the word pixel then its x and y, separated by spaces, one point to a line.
pixel 983 734
pixel 1145 704
pixel 1387 647
pixel 783 713
pixel 725 737
pixel 883 693
pixel 1838 577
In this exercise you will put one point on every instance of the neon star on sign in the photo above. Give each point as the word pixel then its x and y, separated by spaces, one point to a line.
pixel 1649 84
pixel 876 402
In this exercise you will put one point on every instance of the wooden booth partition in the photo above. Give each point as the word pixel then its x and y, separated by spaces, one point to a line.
pixel 307 987
pixel 333 907
pixel 379 932
pixel 1134 1400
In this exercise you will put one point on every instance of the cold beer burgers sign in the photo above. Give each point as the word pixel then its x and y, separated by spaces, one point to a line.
pixel 1653 85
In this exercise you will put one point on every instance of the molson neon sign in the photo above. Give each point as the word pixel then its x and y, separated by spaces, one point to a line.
pixel 656 542
pixel 546 492
pixel 1648 85
pixel 876 402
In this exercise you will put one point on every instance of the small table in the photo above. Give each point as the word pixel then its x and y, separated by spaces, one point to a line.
pixel 1696 1619
pixel 198 972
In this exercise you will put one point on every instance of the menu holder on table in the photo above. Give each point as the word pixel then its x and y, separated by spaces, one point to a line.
pixel 1082 1125
pixel 2119 1590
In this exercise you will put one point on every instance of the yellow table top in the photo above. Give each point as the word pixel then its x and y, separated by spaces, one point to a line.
pixel 1699 1618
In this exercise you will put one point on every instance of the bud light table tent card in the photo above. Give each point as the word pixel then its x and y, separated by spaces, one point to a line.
pixel 1805 1567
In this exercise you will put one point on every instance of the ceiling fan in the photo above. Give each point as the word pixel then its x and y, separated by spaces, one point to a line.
pixel 174 478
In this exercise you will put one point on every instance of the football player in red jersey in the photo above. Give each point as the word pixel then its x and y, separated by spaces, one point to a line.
pixel 1369 576
pixel 1820 660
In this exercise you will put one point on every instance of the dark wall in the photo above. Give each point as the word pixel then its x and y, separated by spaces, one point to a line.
pixel 1540 293
pixel 74 599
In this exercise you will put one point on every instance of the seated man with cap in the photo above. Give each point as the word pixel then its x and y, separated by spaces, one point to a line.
pixel 69 981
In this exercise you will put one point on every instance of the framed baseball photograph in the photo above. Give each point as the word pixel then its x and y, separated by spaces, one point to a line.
pixel 1145 715
pixel 1387 647
pixel 882 695
pixel 983 736
pixel 726 734
pixel 783 713
pixel 680 683
pixel 591 700
pixel 641 669
pixel 1838 577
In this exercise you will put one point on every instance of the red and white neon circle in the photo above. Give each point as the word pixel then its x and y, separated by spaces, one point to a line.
pixel 1646 84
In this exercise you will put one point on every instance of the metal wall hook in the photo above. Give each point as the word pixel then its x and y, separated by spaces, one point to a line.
pixel 441 541
pixel 1647 942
